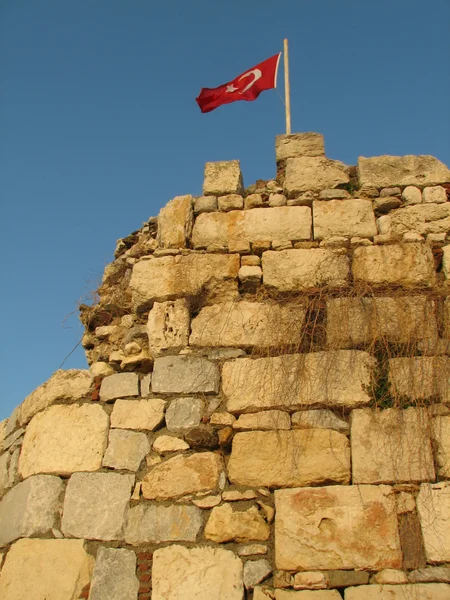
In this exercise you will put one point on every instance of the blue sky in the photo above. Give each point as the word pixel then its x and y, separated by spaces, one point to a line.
pixel 99 127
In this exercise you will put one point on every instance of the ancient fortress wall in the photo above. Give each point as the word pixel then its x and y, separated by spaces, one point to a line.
pixel 267 409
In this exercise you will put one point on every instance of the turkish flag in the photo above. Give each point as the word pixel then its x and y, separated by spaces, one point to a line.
pixel 247 86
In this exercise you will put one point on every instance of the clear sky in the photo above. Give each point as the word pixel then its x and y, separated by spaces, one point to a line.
pixel 99 127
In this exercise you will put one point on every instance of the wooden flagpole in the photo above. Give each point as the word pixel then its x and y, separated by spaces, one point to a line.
pixel 287 90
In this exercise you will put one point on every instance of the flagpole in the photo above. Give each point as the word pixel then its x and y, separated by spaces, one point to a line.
pixel 287 91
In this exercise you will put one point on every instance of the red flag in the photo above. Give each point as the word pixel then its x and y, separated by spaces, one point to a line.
pixel 247 86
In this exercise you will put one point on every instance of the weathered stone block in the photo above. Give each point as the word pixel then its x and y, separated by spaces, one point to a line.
pixel 433 505
pixel 205 204
pixel 230 202
pixel 391 446
pixel 146 415
pixel 263 420
pixel 64 439
pixel 175 222
pixel 171 277
pixel 307 595
pixel 30 509
pixel 435 194
pixel 388 171
pixel 423 219
pixel 50 569
pixel 184 413
pixel 223 177
pixel 193 573
pixel 71 385
pixel 119 385
pixel 169 443
pixel 441 438
pixel 227 525
pixel 313 173
pixel 248 324
pixel 298 380
pixel 156 524
pixel 168 326
pixel 181 475
pixel 420 377
pixel 430 575
pixel 348 218
pixel 400 264
pixel 4 479
pixel 289 458
pixel 403 319
pixel 336 527
pixel 296 270
pixel 424 591
pixel 114 575
pixel 126 449
pixel 299 144
pixel 185 375
pixel 319 419
pixel 96 505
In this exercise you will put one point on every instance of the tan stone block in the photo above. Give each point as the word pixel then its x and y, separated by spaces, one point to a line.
pixel 319 419
pixel 433 505
pixel 420 377
pixel 400 264
pixel 193 573
pixel 441 438
pixel 390 576
pixel 228 525
pixel 389 171
pixel 424 591
pixel 264 420
pixel 403 319
pixel 299 144
pixel 313 173
pixel 223 177
pixel 391 446
pixel 310 580
pixel 421 218
pixel 411 195
pixel 168 326
pixel 145 415
pixel 126 449
pixel 349 218
pixel 298 381
pixel 250 275
pixel 169 443
pixel 337 527
pixel 50 569
pixel 289 458
pixel 307 595
pixel 248 324
pixel 64 439
pixel 119 385
pixel 175 222
pixel 171 277
pixel 435 194
pixel 71 385
pixel 230 202
pixel 296 270
pixel 181 475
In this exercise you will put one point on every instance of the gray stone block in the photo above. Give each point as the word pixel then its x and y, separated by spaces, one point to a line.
pixel 119 385
pixel 162 524
pixel 114 575
pixel 185 375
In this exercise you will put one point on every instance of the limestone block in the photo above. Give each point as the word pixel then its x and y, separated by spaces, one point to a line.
pixel 422 219
pixel 169 443
pixel 119 385
pixel 185 375
pixel 175 222
pixel 435 194
pixel 424 591
pixel 248 324
pixel 184 413
pixel 156 524
pixel 420 377
pixel 171 277
pixel 403 319
pixel 101 369
pixel 207 501
pixel 146 415
pixel 411 195
pixel 181 475
pixel 430 575
pixel 389 171
pixel 310 580
pixel 221 419
pixel 256 571
pixel 114 575
pixel 307 595
pixel 313 173
pixel 227 525
pixel 252 549
pixel 399 264
pixel 337 527
pixel 237 496
pixel 205 204
pixel 433 505
pixel 277 200
pixel 50 569
pixel 250 275
pixel 298 381
pixel 223 178
pixel 390 576
pixel 446 261
pixel 319 419
pixel 4 478
pixel 168 326
pixel 391 446
pixel 194 573
pixel 70 386
pixel 64 439
pixel 296 270
pixel 289 458
pixel 347 218
pixel 230 202
pixel 3 425
pixel 96 505
pixel 264 420
pixel 299 144
pixel 339 579
pixel 126 449
pixel 441 438
pixel 30 508
pixel 282 222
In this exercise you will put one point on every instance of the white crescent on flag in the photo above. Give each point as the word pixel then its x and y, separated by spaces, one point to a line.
pixel 256 73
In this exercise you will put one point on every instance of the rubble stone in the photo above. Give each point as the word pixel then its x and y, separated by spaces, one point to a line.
pixel 168 326
pixel 411 195
pixel 227 525
pixel 441 438
pixel 205 204
pixel 256 571
pixel 119 385
pixel 184 413
pixel 126 449
pixel 169 443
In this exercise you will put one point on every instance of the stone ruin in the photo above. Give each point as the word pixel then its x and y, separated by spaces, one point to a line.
pixel 267 410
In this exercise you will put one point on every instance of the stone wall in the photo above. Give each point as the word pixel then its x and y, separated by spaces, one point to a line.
pixel 267 410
